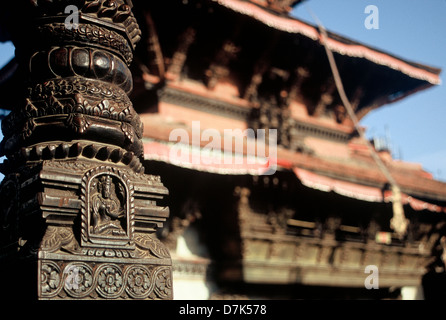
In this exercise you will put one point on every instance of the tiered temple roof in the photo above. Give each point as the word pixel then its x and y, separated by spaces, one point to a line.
pixel 250 58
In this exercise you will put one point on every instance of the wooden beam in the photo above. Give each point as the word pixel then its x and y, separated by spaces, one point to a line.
pixel 219 67
pixel 154 46
pixel 326 99
pixel 186 39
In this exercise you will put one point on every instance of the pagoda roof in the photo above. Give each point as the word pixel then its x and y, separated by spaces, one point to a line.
pixel 277 6
pixel 271 46
pixel 351 171
pixel 336 43
pixel 399 78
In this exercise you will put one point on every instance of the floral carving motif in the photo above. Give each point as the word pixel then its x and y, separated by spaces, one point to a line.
pixel 103 109
pixel 110 284
pixel 139 282
pixel 63 87
pixel 163 283
pixel 50 279
pixel 79 280
pixel 77 107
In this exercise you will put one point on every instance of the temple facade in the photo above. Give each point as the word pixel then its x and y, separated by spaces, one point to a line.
pixel 272 191
pixel 311 228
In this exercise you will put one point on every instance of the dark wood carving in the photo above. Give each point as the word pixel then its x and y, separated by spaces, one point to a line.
pixel 77 207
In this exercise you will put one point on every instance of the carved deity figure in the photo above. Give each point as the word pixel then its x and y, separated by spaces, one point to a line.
pixel 108 209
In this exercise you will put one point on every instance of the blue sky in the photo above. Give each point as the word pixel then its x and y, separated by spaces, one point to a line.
pixel 411 29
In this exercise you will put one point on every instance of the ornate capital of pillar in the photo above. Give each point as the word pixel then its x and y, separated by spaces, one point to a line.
pixel 78 210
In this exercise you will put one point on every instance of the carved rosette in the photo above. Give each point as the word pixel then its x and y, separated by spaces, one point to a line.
pixel 60 280
pixel 140 282
pixel 78 280
pixel 50 279
pixel 110 284
pixel 88 213
pixel 163 283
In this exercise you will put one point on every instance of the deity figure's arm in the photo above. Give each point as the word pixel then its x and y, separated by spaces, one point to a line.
pixel 96 203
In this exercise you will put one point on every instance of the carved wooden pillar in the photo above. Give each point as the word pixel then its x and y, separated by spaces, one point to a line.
pixel 78 213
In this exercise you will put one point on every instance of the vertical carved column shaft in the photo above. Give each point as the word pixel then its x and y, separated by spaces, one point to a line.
pixel 80 207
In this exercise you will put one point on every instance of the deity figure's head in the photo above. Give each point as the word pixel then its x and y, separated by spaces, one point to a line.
pixel 105 186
